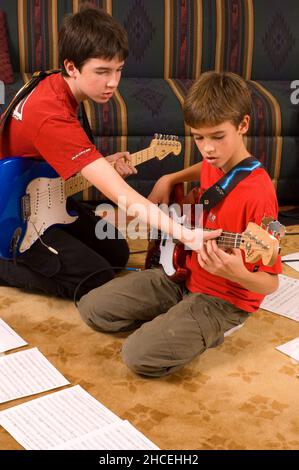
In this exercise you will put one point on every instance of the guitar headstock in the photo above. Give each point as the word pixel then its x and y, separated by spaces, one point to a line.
pixel 166 144
pixel 258 243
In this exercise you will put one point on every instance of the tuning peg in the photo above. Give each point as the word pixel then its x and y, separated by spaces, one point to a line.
pixel 266 221
pixel 156 136
pixel 276 228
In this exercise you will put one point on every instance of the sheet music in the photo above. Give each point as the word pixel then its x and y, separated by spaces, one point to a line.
pixel 25 373
pixel 117 436
pixel 294 265
pixel 291 348
pixel 284 301
pixel 9 339
pixel 56 418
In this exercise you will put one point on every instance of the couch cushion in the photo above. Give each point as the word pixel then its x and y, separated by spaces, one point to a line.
pixel 6 72
pixel 172 38
pixel 144 106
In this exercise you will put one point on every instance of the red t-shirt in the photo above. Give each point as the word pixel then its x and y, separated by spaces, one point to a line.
pixel 45 125
pixel 252 199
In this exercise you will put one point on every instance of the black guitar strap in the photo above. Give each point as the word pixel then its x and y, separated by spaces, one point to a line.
pixel 212 196
pixel 26 89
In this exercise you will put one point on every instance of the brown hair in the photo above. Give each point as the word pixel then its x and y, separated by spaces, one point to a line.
pixel 215 98
pixel 91 33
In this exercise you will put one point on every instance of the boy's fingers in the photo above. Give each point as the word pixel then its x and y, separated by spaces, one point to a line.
pixel 209 235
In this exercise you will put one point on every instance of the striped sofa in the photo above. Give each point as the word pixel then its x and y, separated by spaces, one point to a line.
pixel 171 43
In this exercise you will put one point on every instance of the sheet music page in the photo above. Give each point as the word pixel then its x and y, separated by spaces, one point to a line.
pixel 294 265
pixel 284 301
pixel 56 418
pixel 291 348
pixel 9 339
pixel 117 436
pixel 25 373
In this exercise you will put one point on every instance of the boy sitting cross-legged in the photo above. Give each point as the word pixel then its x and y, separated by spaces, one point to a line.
pixel 174 322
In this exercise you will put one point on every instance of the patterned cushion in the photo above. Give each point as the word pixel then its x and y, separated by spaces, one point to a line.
pixel 171 43
pixel 174 38
pixel 6 72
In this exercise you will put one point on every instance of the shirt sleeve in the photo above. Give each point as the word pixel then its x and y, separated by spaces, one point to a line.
pixel 65 146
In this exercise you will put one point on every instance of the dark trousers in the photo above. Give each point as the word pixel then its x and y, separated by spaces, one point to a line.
pixel 80 254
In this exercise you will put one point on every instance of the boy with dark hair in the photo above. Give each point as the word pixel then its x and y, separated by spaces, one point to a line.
pixel 176 322
pixel 92 50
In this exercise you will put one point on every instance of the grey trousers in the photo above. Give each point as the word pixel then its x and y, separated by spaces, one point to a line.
pixel 172 325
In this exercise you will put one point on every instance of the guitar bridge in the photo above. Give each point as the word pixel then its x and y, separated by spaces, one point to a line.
pixel 26 208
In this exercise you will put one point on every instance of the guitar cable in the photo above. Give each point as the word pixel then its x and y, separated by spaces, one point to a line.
pixel 50 248
pixel 55 252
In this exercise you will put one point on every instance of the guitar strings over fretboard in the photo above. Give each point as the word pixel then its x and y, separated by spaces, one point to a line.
pixel 232 239
pixel 229 240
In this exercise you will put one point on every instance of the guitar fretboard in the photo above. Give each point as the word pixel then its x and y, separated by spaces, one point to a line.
pixel 143 155
pixel 229 240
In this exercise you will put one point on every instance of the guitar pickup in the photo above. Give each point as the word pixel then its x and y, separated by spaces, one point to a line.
pixel 26 208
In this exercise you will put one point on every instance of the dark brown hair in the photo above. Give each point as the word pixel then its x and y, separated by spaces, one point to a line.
pixel 91 33
pixel 215 98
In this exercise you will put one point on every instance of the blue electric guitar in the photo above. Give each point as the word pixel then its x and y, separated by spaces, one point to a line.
pixel 33 197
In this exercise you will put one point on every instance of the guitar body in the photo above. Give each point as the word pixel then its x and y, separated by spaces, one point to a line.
pixel 31 200
pixel 167 253
pixel 256 242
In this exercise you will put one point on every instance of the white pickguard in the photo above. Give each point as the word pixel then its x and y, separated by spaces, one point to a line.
pixel 48 207
pixel 167 246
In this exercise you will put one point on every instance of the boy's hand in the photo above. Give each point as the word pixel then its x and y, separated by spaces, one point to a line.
pixel 160 193
pixel 122 163
pixel 194 239
pixel 225 264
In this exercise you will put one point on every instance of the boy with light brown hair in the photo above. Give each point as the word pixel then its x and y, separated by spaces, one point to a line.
pixel 175 322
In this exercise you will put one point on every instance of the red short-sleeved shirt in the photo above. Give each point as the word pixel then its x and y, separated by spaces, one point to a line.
pixel 251 200
pixel 45 125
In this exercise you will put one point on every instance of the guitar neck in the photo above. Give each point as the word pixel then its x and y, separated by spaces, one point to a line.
pixel 143 155
pixel 228 239
pixel 78 183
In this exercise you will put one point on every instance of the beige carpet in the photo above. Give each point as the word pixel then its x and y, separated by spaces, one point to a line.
pixel 241 395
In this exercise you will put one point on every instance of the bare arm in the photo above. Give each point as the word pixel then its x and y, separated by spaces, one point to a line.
pixel 101 174
pixel 192 173
pixel 259 282
pixel 163 187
